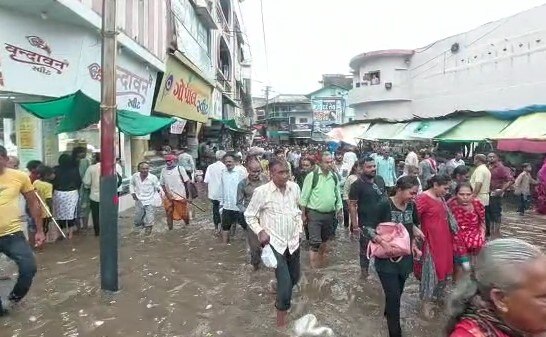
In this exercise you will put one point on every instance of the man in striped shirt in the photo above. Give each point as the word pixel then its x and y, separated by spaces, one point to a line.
pixel 274 215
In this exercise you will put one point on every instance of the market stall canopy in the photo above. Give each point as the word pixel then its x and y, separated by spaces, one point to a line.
pixel 428 129
pixel 381 131
pixel 474 130
pixel 349 133
pixel 532 126
pixel 231 124
pixel 525 134
pixel 78 111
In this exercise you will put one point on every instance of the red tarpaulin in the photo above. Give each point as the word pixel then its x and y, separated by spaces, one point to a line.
pixel 522 145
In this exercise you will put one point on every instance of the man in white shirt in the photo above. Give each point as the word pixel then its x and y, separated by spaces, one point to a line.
pixel 274 215
pixel 174 180
pixel 91 181
pixel 240 168
pixel 412 159
pixel 213 177
pixel 186 161
pixel 143 188
pixel 228 196
pixel 454 163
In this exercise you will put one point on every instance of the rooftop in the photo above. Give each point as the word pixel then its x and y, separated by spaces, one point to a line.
pixel 359 59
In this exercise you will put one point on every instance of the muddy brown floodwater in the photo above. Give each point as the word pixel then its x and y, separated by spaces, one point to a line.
pixel 186 283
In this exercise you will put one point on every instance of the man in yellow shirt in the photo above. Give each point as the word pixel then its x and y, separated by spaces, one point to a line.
pixel 12 240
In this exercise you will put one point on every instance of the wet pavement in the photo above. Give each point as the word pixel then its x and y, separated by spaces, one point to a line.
pixel 186 283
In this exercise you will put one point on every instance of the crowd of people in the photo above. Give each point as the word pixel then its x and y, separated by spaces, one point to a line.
pixel 448 214
pixel 440 223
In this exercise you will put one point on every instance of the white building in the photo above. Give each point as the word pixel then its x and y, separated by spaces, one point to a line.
pixel 500 65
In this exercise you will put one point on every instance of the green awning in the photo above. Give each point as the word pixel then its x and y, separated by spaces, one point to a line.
pixel 232 125
pixel 79 111
pixel 135 124
pixel 381 131
pixel 532 126
pixel 428 129
pixel 475 129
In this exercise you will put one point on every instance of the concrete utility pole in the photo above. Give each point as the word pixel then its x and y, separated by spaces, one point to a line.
pixel 108 182
pixel 267 89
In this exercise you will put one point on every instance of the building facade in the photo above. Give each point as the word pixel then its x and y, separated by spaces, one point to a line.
pixel 288 119
pixel 500 65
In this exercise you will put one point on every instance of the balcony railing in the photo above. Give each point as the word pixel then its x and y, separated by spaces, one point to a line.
pixel 223 23
pixel 301 127
pixel 271 115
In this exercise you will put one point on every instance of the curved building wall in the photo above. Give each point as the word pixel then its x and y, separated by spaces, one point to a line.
pixel 500 65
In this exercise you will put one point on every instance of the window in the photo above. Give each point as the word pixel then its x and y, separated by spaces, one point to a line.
pixel 371 78
pixel 375 77
pixel 303 120
pixel 292 120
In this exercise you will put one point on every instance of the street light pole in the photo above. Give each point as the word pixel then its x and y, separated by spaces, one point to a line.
pixel 108 217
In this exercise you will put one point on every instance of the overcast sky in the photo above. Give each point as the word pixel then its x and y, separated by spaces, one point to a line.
pixel 308 38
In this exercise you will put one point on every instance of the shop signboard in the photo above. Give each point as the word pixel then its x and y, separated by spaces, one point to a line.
pixel 135 82
pixel 177 128
pixel 326 112
pixel 29 142
pixel 183 93
pixel 46 58
pixel 39 58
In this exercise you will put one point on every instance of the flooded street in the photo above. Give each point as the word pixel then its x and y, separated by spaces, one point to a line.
pixel 186 283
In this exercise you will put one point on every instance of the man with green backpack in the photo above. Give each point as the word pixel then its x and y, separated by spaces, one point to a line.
pixel 321 203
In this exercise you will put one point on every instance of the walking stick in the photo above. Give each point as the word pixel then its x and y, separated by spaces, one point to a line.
pixel 49 214
pixel 189 201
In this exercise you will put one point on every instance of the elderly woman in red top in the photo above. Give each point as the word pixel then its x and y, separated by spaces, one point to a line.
pixel 470 237
pixel 504 296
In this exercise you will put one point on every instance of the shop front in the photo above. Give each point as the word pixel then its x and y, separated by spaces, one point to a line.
pixel 44 59
pixel 186 94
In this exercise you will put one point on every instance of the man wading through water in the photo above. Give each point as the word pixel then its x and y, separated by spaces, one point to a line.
pixel 245 190
pixel 12 240
pixel 321 208
pixel 174 180
pixel 273 214
pixel 364 197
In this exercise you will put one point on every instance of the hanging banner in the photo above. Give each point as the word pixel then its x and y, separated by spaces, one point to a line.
pixel 183 93
pixel 178 127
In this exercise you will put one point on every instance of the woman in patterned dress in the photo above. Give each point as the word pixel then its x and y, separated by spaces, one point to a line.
pixel 65 193
pixel 504 294
pixel 470 238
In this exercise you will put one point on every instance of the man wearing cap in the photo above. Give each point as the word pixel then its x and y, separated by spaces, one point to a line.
pixel 186 161
pixel 173 181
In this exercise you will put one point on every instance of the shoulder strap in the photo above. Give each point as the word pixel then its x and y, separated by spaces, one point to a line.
pixel 315 179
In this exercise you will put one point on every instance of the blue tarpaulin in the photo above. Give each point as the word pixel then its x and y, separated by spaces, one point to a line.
pixel 512 114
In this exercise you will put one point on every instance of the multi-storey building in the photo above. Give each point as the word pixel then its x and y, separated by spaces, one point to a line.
pixel 288 118
pixel 500 65
pixel 51 49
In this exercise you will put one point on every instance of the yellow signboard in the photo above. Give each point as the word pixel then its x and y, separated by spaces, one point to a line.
pixel 183 93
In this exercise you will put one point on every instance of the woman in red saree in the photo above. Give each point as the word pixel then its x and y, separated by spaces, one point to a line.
pixel 436 265
pixel 541 189
pixel 470 237
pixel 504 295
